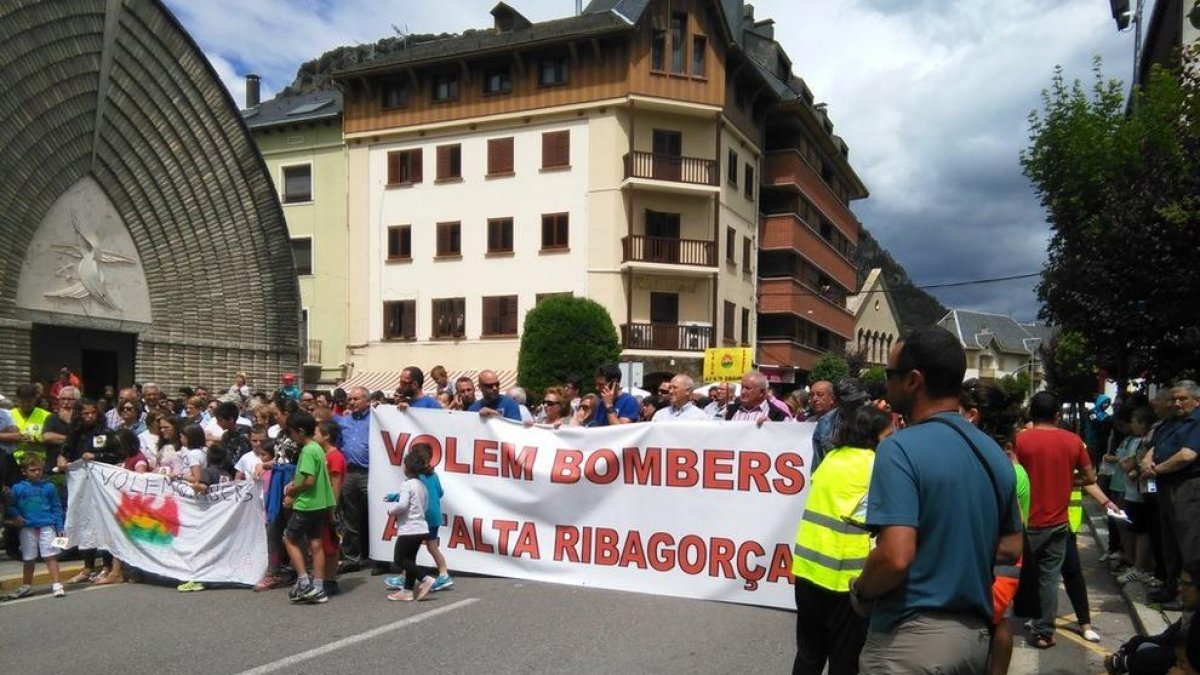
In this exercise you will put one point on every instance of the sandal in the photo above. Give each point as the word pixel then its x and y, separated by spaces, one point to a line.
pixel 1042 642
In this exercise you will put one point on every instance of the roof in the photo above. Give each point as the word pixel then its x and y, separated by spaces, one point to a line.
pixel 874 277
pixel 316 105
pixel 977 330
pixel 479 43
pixel 630 9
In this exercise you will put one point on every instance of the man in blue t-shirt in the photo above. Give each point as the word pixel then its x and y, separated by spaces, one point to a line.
pixel 613 406
pixel 944 516
pixel 410 391
pixel 491 402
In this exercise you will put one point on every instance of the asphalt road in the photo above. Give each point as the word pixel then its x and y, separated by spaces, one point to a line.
pixel 482 625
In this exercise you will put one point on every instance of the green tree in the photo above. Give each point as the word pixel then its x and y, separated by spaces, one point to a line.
pixel 831 366
pixel 1120 191
pixel 1070 367
pixel 1016 387
pixel 564 336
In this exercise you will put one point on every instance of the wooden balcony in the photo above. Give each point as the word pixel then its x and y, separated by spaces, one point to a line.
pixel 667 337
pixel 669 250
pixel 672 168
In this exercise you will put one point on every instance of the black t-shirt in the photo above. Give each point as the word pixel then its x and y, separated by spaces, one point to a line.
pixel 98 440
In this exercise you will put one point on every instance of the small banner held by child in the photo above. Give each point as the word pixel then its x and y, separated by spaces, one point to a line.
pixel 691 509
pixel 162 527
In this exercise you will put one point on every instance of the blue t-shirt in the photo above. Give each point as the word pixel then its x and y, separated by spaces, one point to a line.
pixel 425 402
pixel 1173 436
pixel 927 477
pixel 626 405
pixel 505 406
pixel 433 512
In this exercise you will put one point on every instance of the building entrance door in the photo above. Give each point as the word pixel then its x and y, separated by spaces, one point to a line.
pixel 99 357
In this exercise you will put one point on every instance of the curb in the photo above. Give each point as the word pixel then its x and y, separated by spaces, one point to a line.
pixel 40 575
pixel 1146 619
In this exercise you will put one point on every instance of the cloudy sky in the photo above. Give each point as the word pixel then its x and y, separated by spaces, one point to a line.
pixel 932 96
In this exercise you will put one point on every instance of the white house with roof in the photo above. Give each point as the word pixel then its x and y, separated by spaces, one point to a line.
pixel 997 345
pixel 876 320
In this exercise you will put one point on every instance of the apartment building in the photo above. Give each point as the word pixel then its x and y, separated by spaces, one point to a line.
pixel 616 155
pixel 300 139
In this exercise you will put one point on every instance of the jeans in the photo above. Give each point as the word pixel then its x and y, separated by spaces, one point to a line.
pixel 1045 551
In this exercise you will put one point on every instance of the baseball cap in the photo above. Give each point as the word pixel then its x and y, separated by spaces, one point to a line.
pixel 289 377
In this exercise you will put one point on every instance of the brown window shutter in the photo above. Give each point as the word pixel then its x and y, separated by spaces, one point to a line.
pixel 393 168
pixel 500 156
pixel 443 162
pixel 414 171
pixel 556 148
pixel 408 319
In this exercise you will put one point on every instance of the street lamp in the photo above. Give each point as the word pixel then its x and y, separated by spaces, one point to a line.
pixel 1123 17
pixel 1033 361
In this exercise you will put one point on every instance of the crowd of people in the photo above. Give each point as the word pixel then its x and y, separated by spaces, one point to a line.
pixel 937 510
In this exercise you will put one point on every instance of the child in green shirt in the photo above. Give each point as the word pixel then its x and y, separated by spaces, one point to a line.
pixel 310 496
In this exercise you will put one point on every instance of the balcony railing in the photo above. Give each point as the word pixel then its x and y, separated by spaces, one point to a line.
pixel 666 337
pixel 674 168
pixel 313 352
pixel 669 250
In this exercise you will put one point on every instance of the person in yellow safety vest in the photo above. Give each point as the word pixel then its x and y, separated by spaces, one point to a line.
pixel 30 435
pixel 832 546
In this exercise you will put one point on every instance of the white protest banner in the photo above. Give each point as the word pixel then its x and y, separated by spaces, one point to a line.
pixel 690 509
pixel 162 527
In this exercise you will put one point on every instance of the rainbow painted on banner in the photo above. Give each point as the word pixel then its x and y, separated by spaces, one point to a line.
pixel 149 520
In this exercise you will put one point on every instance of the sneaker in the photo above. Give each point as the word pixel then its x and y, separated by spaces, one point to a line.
pixel 1091 635
pixel 58 591
pixel 299 590
pixel 190 587
pixel 395 583
pixel 348 566
pixel 423 588
pixel 442 582
pixel 1106 556
pixel 20 592
pixel 380 570
pixel 1152 581
pixel 332 588
pixel 1132 574
pixel 401 596
pixel 315 596
pixel 1161 596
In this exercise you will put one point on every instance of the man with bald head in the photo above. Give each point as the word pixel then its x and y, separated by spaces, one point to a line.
pixel 491 402
pixel 752 404
pixel 356 447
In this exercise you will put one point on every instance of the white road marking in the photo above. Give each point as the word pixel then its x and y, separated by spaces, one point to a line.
pixel 354 639
pixel 47 596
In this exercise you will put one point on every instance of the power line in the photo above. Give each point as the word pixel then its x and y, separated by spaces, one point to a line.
pixel 948 284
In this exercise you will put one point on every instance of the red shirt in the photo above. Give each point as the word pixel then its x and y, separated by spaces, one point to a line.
pixel 336 463
pixel 1050 457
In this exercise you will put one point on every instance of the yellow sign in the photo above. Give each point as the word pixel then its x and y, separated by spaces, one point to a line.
pixel 727 364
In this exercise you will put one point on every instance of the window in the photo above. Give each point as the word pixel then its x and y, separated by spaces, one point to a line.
pixel 500 315
pixel 449 240
pixel 449 162
pixel 727 321
pixel 731 168
pixel 400 320
pixel 699 46
pixel 302 255
pixel 552 72
pixel 399 242
pixel 394 94
pixel 730 245
pixel 500 235
pixel 556 149
pixel 404 167
pixel 658 50
pixel 749 186
pixel 555 231
pixel 745 327
pixel 297 183
pixel 500 156
pixel 497 81
pixel 747 247
pixel 445 87
pixel 678 31
pixel 449 317
pixel 537 299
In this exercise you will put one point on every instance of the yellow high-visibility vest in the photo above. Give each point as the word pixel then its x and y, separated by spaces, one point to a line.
pixel 1075 509
pixel 828 551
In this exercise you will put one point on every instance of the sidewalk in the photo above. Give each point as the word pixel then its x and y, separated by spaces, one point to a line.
pixel 10 572
pixel 1148 620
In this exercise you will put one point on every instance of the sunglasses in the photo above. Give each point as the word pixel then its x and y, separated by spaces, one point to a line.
pixel 127 408
pixel 551 401
pixel 489 385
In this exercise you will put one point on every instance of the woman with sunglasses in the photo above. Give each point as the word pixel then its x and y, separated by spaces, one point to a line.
pixel 130 418
pixel 556 408
pixel 584 416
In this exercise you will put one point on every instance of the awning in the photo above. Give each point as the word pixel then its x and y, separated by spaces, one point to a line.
pixel 386 380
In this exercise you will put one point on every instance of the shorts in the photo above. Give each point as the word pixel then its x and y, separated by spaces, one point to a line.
pixel 306 525
pixel 329 539
pixel 433 534
pixel 35 540
pixel 1004 589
